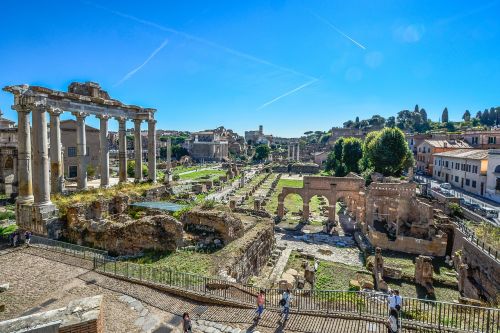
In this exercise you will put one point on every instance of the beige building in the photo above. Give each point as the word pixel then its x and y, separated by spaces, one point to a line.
pixel 463 168
pixel 493 175
pixel 258 137
pixel 208 146
pixel 427 149
pixel 68 141
pixel 483 139
pixel 8 156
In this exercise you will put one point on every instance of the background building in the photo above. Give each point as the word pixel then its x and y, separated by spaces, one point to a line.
pixel 429 147
pixel 258 137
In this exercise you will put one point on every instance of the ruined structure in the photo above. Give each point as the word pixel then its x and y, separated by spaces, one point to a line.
pixel 294 151
pixel 227 225
pixel 423 274
pixel 34 207
pixel 378 271
pixel 347 189
pixel 8 157
pixel 397 220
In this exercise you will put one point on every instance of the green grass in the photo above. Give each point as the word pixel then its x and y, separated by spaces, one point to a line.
pixel 5 231
pixel 203 174
pixel 180 261
pixel 181 168
pixel 7 215
pixel 293 202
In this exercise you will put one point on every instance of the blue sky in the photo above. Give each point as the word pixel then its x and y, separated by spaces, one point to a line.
pixel 208 63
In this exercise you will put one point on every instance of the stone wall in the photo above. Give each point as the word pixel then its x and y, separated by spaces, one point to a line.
pixel 228 225
pixel 434 247
pixel 307 168
pixel 479 273
pixel 246 256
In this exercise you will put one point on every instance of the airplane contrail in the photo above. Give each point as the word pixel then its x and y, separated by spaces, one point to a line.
pixel 202 40
pixel 138 68
pixel 287 93
pixel 324 20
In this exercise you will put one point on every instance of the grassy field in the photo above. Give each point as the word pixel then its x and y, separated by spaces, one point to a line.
pixel 330 275
pixel 181 261
pixel 203 174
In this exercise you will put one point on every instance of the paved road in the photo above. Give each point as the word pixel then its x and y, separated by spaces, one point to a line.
pixel 459 193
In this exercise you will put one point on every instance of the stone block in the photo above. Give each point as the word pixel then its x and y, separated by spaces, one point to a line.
pixel 4 287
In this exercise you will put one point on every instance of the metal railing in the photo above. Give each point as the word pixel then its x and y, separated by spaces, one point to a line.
pixel 68 248
pixel 363 305
pixel 472 237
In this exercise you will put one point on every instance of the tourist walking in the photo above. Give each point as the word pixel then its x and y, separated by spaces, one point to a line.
pixel 186 323
pixel 395 301
pixel 27 237
pixel 392 321
pixel 261 300
pixel 285 302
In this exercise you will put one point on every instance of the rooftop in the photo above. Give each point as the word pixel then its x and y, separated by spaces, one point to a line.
pixel 448 143
pixel 471 154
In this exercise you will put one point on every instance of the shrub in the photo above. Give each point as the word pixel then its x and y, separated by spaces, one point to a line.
pixel 208 204
pixel 455 209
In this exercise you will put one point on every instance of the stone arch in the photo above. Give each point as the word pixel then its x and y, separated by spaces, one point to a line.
pixel 321 199
pixel 281 201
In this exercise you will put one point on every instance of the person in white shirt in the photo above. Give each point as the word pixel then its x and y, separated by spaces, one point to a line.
pixel 395 301
pixel 285 302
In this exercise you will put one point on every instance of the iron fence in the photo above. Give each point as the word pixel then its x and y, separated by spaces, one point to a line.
pixel 68 248
pixel 363 305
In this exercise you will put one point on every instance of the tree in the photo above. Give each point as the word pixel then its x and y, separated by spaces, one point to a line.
pixel 261 152
pixel 131 169
pixel 423 113
pixel 444 116
pixel 334 159
pixel 391 122
pixel 388 152
pixel 178 152
pixel 348 124
pixel 351 154
pixel 308 132
pixel 466 116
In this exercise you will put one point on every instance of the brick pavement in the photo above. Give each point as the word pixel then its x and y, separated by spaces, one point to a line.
pixel 46 273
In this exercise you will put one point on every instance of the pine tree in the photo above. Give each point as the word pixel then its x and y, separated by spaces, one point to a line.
pixel 444 116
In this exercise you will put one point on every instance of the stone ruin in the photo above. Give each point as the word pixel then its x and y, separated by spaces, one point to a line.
pixel 424 273
pixel 378 271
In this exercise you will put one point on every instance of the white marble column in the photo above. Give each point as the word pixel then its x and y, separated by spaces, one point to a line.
pixel 298 152
pixel 293 151
pixel 41 182
pixel 25 187
pixel 152 150
pixel 81 150
pixel 56 165
pixel 122 149
pixel 169 154
pixel 289 151
pixel 138 150
pixel 104 147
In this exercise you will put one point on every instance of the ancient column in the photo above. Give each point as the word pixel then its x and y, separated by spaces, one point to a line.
pixel 104 147
pixel 288 151
pixel 298 152
pixel 293 151
pixel 81 150
pixel 152 150
pixel 332 203
pixel 138 150
pixel 305 210
pixel 41 182
pixel 122 149
pixel 25 187
pixel 169 154
pixel 56 164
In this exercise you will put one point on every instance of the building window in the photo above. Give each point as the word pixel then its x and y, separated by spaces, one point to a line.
pixel 475 140
pixel 457 166
pixel 456 179
pixel 71 152
pixel 446 164
pixel 467 182
pixel 497 187
pixel 73 171
pixel 492 140
pixel 468 167
pixel 439 173
pixel 474 184
pixel 474 169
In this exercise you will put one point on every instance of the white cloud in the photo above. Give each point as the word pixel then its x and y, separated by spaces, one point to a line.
pixel 374 59
pixel 411 33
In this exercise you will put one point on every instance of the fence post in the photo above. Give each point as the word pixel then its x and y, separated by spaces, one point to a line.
pixel 439 319
pixel 115 267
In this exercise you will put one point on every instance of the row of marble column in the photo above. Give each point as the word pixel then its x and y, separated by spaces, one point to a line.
pixel 294 151
pixel 33 176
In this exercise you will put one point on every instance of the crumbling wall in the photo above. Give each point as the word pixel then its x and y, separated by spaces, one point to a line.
pixel 228 225
pixel 434 247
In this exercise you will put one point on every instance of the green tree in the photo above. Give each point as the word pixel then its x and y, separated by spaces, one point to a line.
pixel 389 153
pixel 365 161
pixel 444 115
pixel 178 152
pixel 334 158
pixel 261 152
pixel 352 152
pixel 466 116
pixel 391 122
pixel 131 169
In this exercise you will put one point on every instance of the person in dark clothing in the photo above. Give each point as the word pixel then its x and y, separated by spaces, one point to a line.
pixel 186 323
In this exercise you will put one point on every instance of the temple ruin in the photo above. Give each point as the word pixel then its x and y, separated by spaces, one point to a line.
pixel 39 174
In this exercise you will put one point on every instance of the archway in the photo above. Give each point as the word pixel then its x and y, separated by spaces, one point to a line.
pixel 319 210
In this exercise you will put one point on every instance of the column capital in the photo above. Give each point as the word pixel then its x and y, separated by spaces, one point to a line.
pixel 21 108
pixel 103 116
pixel 137 121
pixel 55 111
pixel 121 119
pixel 79 114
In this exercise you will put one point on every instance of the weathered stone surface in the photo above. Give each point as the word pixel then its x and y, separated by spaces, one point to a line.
pixel 4 287
pixel 228 225
pixel 424 273
pixel 122 234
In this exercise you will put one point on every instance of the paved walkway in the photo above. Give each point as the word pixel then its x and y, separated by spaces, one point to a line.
pixel 42 279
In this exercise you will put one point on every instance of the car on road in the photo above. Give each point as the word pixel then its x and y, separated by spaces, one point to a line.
pixel 446 186
pixel 487 212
